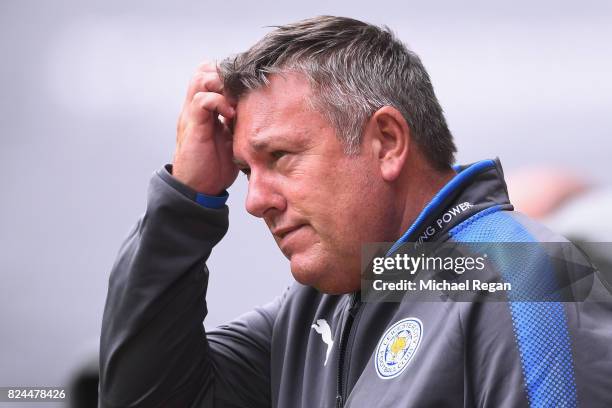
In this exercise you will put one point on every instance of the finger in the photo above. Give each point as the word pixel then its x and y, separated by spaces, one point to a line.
pixel 207 66
pixel 204 82
pixel 224 145
pixel 205 104
pixel 228 125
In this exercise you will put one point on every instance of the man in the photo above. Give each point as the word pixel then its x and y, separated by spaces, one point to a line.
pixel 336 125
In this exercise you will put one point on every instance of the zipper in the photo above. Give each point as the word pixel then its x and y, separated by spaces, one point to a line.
pixel 344 340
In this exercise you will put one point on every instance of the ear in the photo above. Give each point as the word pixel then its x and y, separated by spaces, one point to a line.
pixel 389 135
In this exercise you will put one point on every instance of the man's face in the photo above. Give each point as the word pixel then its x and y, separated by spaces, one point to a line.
pixel 319 203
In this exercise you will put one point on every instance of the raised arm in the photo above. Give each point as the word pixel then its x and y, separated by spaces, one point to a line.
pixel 153 348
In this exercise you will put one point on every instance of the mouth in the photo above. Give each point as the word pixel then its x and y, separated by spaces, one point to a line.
pixel 282 233
pixel 289 239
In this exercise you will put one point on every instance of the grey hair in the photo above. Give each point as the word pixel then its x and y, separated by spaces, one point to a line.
pixel 354 69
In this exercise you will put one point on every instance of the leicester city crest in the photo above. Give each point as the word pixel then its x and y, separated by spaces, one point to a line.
pixel 397 347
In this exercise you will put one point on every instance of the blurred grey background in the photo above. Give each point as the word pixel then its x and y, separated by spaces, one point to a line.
pixel 90 93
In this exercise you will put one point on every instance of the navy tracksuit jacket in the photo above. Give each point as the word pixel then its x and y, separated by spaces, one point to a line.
pixel 309 350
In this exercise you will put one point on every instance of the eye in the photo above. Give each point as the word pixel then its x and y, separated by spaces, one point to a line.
pixel 277 154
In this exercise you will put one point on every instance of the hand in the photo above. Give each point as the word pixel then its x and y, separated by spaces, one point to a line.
pixel 203 155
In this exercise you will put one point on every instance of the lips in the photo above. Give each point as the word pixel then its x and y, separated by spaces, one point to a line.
pixel 290 239
pixel 283 232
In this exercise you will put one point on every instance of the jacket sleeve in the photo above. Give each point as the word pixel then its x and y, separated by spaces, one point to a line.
pixel 540 354
pixel 153 348
pixel 539 348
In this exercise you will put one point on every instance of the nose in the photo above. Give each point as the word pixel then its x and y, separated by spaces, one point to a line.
pixel 263 195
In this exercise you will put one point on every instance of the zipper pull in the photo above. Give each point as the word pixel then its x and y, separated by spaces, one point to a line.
pixel 338 401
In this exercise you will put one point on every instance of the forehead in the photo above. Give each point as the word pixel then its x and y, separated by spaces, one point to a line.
pixel 277 112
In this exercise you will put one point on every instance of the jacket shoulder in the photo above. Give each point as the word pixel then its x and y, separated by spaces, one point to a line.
pixel 497 225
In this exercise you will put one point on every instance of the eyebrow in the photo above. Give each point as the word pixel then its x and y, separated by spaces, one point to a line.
pixel 259 144
pixel 262 142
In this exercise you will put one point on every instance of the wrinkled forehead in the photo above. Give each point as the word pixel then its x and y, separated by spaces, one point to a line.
pixel 280 110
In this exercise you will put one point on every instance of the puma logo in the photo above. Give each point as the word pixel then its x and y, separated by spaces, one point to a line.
pixel 325 331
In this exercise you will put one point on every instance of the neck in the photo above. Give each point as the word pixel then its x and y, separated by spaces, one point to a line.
pixel 421 183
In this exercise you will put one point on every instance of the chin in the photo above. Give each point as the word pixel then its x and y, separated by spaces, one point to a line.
pixel 307 271
pixel 321 274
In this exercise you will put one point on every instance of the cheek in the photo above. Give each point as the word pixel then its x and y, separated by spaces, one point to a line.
pixel 360 208
pixel 351 207
pixel 314 193
pixel 335 199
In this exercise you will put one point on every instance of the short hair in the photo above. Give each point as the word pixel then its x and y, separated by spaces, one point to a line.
pixel 354 69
